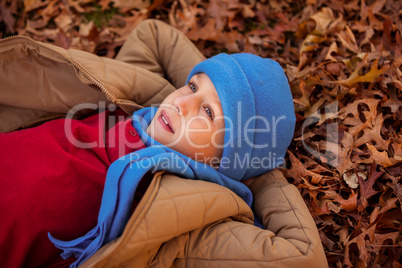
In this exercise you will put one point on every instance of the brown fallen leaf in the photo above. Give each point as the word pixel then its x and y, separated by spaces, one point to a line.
pixel 348 40
pixel 64 21
pixel 218 10
pixel 360 241
pixel 33 4
pixel 7 16
pixel 299 171
pixel 207 32
pixel 366 186
pixel 127 5
pixel 372 134
pixel 370 76
pixel 349 204
pixel 381 158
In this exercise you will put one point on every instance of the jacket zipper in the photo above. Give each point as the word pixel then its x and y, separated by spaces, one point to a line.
pixel 66 57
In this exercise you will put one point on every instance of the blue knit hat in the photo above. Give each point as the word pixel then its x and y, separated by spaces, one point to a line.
pixel 258 108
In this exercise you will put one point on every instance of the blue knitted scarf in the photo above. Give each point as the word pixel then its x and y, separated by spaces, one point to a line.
pixel 122 180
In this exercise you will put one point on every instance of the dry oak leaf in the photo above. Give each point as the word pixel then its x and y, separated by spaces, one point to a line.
pixel 336 155
pixel 360 240
pixel 51 10
pixel 333 50
pixel 352 109
pixel 397 147
pixel 126 5
pixel 325 22
pixel 393 101
pixel 87 28
pixel 374 22
pixel 64 21
pixel 370 116
pixel 342 152
pixel 327 243
pixel 355 78
pixel 348 40
pixel 35 24
pixel 230 40
pixel 373 134
pixel 299 171
pixel 301 87
pixel 390 219
pixel 323 19
pixel 324 200
pixel 186 19
pixel 376 245
pixel 375 8
pixel 317 211
pixel 343 234
pixel 349 204
pixel 382 158
pixel 220 11
pixel 76 5
pixel 379 240
pixel 389 204
pixel 310 43
pixel 366 186
pixel 130 23
pixel 33 4
pixel 397 187
pixel 6 14
pixel 207 32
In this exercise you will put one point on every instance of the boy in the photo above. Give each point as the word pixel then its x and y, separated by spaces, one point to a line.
pixel 198 122
pixel 205 104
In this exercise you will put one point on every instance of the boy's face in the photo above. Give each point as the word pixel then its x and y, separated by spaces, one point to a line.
pixel 190 121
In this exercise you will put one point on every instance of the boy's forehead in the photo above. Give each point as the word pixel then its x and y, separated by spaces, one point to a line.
pixel 202 77
pixel 204 80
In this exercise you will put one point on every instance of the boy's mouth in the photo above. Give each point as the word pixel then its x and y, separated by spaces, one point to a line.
pixel 164 120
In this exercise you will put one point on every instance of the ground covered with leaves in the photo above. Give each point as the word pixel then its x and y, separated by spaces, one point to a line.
pixel 344 64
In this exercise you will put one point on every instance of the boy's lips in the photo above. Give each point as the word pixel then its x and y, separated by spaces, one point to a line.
pixel 164 120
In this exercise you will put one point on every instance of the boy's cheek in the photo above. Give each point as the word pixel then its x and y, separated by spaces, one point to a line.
pixel 204 136
pixel 198 127
pixel 203 144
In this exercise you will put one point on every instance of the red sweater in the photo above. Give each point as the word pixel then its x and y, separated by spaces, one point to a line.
pixel 49 184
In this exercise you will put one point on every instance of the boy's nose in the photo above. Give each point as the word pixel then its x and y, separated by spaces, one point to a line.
pixel 187 104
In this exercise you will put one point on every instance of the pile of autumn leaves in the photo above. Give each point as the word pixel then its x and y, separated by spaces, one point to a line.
pixel 346 155
pixel 344 64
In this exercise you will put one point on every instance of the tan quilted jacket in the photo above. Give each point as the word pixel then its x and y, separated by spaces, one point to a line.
pixel 179 222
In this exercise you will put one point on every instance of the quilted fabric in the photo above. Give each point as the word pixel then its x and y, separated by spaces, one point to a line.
pixel 171 207
pixel 186 223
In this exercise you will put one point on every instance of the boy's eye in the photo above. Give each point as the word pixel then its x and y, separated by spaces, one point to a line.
pixel 192 87
pixel 209 112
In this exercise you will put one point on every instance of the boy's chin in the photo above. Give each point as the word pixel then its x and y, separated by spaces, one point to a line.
pixel 148 132
pixel 153 134
pixel 149 129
